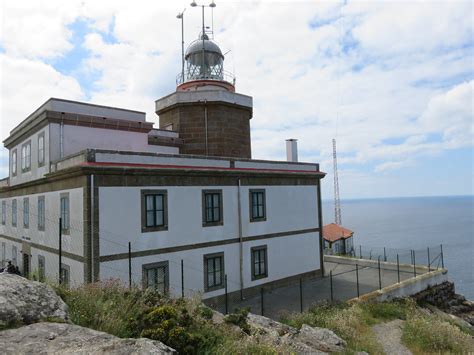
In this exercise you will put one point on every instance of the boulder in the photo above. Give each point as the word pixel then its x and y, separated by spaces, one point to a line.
pixel 320 338
pixel 25 301
pixel 63 338
pixel 306 340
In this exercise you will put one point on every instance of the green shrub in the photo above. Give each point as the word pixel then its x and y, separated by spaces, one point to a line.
pixel 431 334
pixel 385 311
pixel 239 318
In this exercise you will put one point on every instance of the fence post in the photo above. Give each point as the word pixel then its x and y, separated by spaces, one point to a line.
pixel 301 294
pixel 60 250
pixel 442 256
pixel 429 261
pixel 330 282
pixel 226 295
pixel 411 256
pixel 360 251
pixel 414 263
pixel 357 278
pixel 182 278
pixel 380 275
pixel 398 269
pixel 384 254
pixel 129 265
pixel 261 301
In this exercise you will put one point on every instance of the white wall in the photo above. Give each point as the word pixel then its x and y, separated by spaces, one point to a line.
pixel 301 250
pixel 72 243
pixel 289 208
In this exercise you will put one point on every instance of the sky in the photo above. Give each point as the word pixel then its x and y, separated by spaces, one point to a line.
pixel 392 82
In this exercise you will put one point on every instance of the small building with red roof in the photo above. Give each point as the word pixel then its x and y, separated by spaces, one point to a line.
pixel 337 239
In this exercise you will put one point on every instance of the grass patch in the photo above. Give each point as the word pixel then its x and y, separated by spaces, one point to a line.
pixel 350 322
pixel 429 333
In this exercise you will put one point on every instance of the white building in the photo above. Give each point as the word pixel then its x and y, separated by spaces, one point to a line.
pixel 187 196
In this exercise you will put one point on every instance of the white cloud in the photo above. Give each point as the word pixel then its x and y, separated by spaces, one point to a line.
pixel 368 72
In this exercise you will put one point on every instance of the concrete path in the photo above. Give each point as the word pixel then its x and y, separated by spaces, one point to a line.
pixel 389 336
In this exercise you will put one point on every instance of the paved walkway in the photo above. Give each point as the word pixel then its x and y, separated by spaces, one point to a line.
pixel 287 299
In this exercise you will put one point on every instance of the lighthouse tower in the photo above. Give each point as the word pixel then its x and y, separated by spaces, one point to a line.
pixel 210 117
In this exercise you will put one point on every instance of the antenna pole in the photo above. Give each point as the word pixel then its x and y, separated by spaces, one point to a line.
pixel 182 46
pixel 203 33
pixel 337 202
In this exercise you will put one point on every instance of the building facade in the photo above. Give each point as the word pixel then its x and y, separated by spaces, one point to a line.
pixel 182 208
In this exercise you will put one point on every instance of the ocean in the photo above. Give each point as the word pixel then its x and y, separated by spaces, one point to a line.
pixel 416 223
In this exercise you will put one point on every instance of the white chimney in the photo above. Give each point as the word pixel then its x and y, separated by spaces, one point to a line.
pixel 292 150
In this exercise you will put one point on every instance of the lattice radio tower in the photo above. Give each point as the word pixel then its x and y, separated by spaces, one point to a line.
pixel 337 202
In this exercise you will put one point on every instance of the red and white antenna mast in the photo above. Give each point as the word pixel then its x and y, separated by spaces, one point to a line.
pixel 337 202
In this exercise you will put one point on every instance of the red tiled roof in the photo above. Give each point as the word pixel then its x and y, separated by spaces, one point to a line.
pixel 333 232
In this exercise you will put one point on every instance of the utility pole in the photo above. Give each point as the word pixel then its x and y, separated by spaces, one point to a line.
pixel 337 202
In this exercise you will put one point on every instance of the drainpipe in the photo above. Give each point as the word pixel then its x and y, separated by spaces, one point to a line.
pixel 92 229
pixel 241 256
pixel 320 226
pixel 205 126
pixel 61 137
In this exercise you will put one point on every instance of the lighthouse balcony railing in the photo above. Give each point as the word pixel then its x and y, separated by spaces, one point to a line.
pixel 192 76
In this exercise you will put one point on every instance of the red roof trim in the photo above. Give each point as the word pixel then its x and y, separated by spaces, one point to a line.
pixel 187 167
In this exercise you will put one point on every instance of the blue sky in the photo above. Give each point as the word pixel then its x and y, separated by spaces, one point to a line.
pixel 392 81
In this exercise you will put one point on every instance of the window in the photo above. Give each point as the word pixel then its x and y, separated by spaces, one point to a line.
pixel 213 271
pixel 259 262
pixel 14 255
pixel 65 275
pixel 4 212
pixel 26 156
pixel 14 213
pixel 64 213
pixel 212 208
pixel 14 159
pixel 41 268
pixel 41 149
pixel 4 252
pixel 156 276
pixel 257 205
pixel 41 216
pixel 26 212
pixel 154 210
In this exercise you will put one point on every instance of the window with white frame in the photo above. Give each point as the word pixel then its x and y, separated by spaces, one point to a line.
pixel 4 212
pixel 14 211
pixel 14 162
pixel 26 156
pixel 26 212
pixel 41 149
pixel 41 215
pixel 64 213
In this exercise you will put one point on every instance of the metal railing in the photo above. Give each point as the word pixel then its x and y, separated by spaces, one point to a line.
pixel 192 76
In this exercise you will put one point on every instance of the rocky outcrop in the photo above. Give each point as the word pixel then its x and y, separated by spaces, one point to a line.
pixel 306 340
pixel 62 338
pixel 444 297
pixel 24 302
